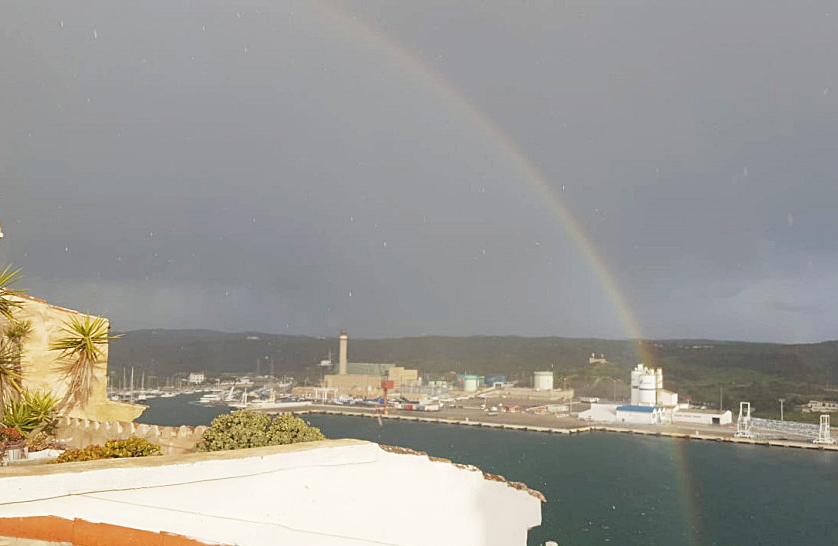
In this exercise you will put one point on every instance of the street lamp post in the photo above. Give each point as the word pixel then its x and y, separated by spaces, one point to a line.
pixel 781 408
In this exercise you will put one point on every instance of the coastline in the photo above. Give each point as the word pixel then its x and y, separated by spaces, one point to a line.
pixel 652 430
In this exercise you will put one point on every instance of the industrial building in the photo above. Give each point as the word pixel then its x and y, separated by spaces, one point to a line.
pixel 542 381
pixel 363 379
pixel 542 390
pixel 594 359
pixel 652 404
pixel 647 388
pixel 702 416
pixel 640 415
pixel 600 413
pixel 819 406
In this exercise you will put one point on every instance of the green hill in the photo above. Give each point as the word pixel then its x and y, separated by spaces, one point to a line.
pixel 758 372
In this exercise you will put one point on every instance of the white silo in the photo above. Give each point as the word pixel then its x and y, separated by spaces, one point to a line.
pixel 469 383
pixel 648 388
pixel 659 378
pixel 635 384
pixel 543 381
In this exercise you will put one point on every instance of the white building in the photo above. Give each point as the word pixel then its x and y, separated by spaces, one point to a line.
pixel 542 381
pixel 600 413
pixel 647 388
pixel 640 415
pixel 667 399
pixel 702 417
pixel 196 378
pixel 819 406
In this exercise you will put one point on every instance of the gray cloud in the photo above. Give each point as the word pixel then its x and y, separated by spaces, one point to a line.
pixel 801 309
pixel 248 167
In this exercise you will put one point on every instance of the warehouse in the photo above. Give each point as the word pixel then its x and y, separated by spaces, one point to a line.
pixel 702 417
pixel 641 415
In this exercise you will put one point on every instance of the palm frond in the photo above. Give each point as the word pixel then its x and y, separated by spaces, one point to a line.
pixel 18 330
pixel 10 376
pixel 79 351
pixel 8 277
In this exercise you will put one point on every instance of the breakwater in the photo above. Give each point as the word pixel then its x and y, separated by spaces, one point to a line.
pixel 574 430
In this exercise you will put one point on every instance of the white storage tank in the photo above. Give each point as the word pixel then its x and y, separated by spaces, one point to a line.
pixel 543 381
pixel 635 385
pixel 648 389
pixel 470 383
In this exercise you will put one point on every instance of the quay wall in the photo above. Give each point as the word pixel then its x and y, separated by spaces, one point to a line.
pixel 576 430
pixel 79 433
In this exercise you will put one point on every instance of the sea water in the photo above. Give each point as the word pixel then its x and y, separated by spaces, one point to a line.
pixel 619 489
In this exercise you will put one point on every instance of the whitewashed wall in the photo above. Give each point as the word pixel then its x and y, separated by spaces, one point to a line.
pixel 335 493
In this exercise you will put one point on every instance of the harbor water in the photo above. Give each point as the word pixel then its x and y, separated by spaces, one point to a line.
pixel 615 488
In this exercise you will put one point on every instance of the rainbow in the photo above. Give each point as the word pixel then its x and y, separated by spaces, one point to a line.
pixel 539 183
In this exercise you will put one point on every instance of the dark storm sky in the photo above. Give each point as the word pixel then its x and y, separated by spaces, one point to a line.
pixel 302 167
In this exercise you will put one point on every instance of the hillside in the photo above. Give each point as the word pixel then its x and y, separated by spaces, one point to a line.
pixel 761 372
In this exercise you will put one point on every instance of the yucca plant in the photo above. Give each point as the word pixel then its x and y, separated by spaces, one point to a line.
pixel 12 340
pixel 15 334
pixel 8 276
pixel 80 351
pixel 32 411
pixel 10 376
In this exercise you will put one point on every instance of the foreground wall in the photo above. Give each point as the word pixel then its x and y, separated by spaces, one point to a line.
pixel 79 433
pixel 39 362
pixel 329 493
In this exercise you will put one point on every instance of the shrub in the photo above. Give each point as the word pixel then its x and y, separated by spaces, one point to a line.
pixel 9 435
pixel 113 449
pixel 132 447
pixel 32 411
pixel 39 441
pixel 287 429
pixel 89 453
pixel 242 429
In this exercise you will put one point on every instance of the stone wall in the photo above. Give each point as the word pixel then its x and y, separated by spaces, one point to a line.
pixel 78 433
pixel 38 362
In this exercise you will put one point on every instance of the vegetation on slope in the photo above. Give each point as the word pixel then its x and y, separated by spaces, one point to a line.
pixel 758 372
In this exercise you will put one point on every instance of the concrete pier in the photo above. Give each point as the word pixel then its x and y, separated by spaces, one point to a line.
pixel 495 424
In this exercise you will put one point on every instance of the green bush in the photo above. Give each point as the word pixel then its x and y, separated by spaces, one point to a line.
pixel 113 449
pixel 242 429
pixel 287 429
